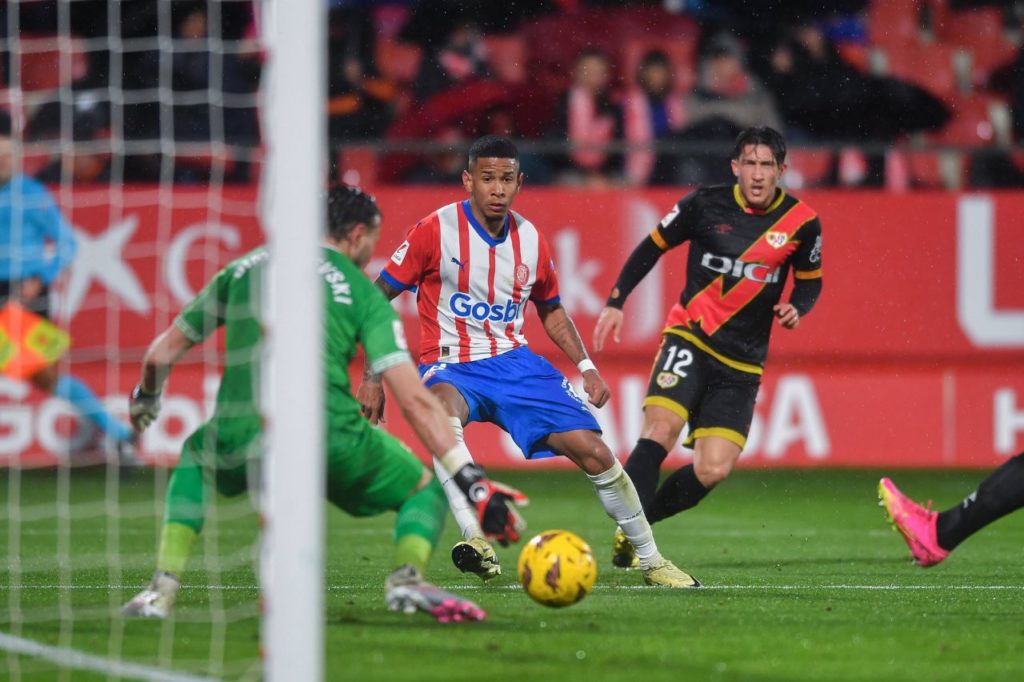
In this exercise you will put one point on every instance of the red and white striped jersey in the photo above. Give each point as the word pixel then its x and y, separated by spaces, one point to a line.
pixel 472 288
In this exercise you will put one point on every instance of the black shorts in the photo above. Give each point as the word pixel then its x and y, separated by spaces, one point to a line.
pixel 40 305
pixel 714 398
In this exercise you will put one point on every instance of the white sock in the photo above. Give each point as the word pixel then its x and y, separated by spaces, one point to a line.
pixel 462 510
pixel 617 494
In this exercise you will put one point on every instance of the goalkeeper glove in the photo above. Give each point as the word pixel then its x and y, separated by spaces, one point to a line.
pixel 143 408
pixel 495 504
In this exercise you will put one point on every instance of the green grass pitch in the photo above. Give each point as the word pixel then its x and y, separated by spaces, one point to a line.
pixel 805 581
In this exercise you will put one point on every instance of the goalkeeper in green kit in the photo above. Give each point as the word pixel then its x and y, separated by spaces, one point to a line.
pixel 368 470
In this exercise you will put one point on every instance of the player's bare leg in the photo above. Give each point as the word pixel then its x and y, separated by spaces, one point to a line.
pixel 620 501
pixel 473 554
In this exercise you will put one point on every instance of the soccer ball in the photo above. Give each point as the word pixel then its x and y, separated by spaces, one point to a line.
pixel 557 568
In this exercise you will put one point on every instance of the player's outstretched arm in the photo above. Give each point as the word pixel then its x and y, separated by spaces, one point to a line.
pixel 161 356
pixel 561 329
pixel 495 504
pixel 643 259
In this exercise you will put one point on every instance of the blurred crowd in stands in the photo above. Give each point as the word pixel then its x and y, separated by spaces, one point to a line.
pixel 870 93
pixel 142 91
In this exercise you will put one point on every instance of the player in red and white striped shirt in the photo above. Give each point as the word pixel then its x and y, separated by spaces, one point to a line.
pixel 475 264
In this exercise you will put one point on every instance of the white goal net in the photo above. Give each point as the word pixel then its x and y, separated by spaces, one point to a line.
pixel 136 147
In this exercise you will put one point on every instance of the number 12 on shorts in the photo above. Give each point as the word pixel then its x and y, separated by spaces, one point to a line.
pixel 677 359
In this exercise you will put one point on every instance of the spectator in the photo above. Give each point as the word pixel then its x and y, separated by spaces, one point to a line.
pixel 232 119
pixel 727 99
pixel 726 90
pixel 362 104
pixel 36 244
pixel 89 158
pixel 652 112
pixel 192 69
pixel 589 119
pixel 191 74
pixel 826 99
pixel 459 59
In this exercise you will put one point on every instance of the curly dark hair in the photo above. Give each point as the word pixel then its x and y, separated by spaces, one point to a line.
pixel 346 207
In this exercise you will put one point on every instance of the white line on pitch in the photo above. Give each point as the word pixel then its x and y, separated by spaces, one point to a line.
pixel 338 588
pixel 72 658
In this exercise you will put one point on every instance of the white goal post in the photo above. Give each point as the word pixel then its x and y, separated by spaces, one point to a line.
pixel 293 212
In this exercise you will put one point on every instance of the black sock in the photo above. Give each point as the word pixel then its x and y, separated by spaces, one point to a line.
pixel 680 491
pixel 644 468
pixel 998 495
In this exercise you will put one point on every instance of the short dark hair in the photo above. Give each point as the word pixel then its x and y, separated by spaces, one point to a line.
pixel 346 207
pixel 654 57
pixel 6 127
pixel 765 135
pixel 493 146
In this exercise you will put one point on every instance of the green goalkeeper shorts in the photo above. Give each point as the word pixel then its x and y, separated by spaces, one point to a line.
pixel 232 473
pixel 371 472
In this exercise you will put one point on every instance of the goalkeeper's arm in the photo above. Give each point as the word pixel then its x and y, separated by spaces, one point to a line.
pixel 495 504
pixel 161 356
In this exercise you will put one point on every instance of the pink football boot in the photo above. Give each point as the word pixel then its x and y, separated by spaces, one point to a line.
pixel 407 591
pixel 915 523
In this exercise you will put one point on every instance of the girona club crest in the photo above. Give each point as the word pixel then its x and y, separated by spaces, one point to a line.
pixel 776 239
pixel 522 274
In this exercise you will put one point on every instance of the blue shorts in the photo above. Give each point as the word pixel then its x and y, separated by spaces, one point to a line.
pixel 519 391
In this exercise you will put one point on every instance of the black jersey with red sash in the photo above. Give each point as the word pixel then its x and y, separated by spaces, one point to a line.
pixel 736 269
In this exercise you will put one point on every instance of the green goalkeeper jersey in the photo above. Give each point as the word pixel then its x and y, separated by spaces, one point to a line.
pixel 355 312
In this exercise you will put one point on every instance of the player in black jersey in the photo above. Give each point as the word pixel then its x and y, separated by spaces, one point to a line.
pixel 744 238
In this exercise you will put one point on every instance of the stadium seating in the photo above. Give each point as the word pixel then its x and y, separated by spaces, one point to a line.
pixel 894 22
pixel 397 60
pixel 808 167
pixel 935 170
pixel 506 57
pixel 358 165
pixel 930 66
pixel 555 40
pixel 40 63
pixel 981 33
pixel 856 55
pixel 968 27
pixel 971 124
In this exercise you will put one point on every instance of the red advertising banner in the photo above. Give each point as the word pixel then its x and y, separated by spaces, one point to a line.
pixel 914 356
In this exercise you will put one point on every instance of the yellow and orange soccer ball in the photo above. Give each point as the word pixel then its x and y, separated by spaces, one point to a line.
pixel 557 568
